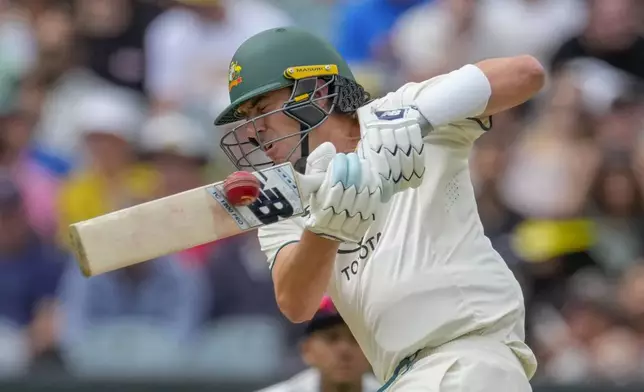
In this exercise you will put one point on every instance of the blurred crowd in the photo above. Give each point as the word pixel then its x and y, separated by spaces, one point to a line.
pixel 108 103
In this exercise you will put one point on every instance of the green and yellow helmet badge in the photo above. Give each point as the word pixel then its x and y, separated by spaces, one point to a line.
pixel 234 75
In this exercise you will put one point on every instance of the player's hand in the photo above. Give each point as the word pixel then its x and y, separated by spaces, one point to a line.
pixel 345 205
pixel 393 143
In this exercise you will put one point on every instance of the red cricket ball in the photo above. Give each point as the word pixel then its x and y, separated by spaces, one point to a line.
pixel 241 188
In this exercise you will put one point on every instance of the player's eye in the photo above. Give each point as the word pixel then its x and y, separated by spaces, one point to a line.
pixel 253 141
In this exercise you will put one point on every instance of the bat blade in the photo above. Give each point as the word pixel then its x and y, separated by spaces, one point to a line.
pixel 159 227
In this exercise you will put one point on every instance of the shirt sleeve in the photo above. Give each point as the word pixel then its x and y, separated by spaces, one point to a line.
pixel 274 237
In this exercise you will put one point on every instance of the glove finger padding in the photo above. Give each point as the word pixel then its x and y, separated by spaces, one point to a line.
pixel 397 150
pixel 343 207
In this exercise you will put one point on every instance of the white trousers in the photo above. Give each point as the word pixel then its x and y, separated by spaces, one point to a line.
pixel 471 364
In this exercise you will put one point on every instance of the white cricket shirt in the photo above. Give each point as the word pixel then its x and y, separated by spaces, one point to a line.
pixel 424 273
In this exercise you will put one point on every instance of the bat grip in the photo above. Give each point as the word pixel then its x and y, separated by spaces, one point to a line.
pixel 310 183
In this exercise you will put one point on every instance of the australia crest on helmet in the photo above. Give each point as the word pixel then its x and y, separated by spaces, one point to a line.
pixel 234 75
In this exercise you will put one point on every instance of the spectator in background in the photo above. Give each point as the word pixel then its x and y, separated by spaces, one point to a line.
pixel 18 41
pixel 536 27
pixel 108 122
pixel 451 32
pixel 555 151
pixel 30 268
pixel 161 293
pixel 335 361
pixel 617 200
pixel 363 35
pixel 241 285
pixel 188 47
pixel 112 35
pixel 62 80
pixel 167 292
pixel 631 295
pixel 456 32
pixel 364 28
pixel 564 336
pixel 178 150
pixel 612 35
pixel 35 172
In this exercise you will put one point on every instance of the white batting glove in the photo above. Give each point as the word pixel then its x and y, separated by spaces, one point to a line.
pixel 345 205
pixel 392 141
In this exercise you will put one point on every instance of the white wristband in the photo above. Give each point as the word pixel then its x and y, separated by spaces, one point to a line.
pixel 460 94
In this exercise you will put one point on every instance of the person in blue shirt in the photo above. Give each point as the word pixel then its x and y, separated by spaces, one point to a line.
pixel 163 292
pixel 364 26
pixel 30 269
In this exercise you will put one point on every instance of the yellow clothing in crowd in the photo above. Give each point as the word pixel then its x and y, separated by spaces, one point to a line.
pixel 86 195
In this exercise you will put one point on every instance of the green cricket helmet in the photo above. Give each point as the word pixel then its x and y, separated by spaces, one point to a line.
pixel 285 58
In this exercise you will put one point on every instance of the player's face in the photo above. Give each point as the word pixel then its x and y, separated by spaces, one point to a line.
pixel 335 352
pixel 277 132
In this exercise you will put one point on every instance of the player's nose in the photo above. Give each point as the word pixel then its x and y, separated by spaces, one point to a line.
pixel 253 130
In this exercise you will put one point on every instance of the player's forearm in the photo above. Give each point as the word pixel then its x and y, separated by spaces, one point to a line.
pixel 301 274
pixel 513 80
pixel 481 90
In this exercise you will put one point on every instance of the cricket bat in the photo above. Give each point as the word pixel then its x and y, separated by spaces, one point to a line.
pixel 156 228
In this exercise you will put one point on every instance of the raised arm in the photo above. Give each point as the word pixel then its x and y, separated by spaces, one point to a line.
pixel 513 81
pixel 480 90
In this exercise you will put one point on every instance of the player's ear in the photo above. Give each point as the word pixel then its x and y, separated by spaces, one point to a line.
pixel 322 92
pixel 323 88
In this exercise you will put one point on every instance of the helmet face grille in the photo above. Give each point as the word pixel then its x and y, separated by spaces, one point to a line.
pixel 244 145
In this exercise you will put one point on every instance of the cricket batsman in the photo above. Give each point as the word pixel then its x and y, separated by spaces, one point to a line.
pixel 393 234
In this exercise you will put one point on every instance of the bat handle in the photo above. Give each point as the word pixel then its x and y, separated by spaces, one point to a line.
pixel 310 183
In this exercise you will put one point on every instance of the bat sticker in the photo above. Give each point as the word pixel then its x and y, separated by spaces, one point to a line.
pixel 278 199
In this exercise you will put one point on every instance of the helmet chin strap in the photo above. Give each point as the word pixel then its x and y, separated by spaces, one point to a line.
pixel 309 116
